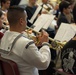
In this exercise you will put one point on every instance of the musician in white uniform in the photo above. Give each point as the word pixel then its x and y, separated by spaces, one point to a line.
pixel 24 52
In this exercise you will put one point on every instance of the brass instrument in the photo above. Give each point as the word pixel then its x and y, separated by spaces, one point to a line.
pixel 47 8
pixel 56 45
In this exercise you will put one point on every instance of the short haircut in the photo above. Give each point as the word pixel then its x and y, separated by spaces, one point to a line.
pixel 14 14
pixel 4 1
pixel 1 13
pixel 74 13
pixel 70 1
pixel 63 4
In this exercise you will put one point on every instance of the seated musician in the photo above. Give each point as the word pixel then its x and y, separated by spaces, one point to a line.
pixel 5 5
pixel 65 13
pixel 24 52
pixel 30 9
pixel 68 54
pixel 1 18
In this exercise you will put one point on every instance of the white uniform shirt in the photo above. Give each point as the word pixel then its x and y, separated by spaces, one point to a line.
pixel 29 59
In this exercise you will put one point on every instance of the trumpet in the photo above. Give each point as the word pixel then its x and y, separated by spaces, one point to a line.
pixel 47 8
pixel 56 45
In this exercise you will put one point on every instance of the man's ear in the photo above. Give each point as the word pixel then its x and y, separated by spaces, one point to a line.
pixel 21 21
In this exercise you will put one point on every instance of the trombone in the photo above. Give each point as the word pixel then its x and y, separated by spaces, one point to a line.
pixel 56 45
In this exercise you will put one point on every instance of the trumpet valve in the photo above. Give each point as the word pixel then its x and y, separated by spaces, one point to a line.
pixel 54 44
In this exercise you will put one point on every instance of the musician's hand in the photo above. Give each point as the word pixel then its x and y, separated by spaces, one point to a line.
pixel 74 38
pixel 44 12
pixel 43 37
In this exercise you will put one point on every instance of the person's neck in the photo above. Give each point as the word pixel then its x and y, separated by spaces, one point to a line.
pixel 64 13
pixel 4 9
pixel 15 29
pixel 31 5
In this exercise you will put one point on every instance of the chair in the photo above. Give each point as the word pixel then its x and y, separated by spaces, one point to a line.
pixel 1 73
pixel 8 67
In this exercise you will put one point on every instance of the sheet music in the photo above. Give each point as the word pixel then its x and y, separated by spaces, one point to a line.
pixel 40 22
pixel 43 21
pixel 50 18
pixel 65 32
pixel 35 14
